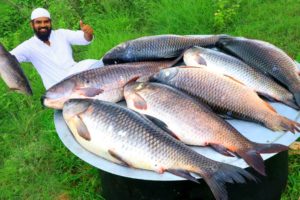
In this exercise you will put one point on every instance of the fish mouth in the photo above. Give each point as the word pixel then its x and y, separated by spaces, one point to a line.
pixel 42 100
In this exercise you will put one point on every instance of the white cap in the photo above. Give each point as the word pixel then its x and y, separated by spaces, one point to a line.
pixel 40 12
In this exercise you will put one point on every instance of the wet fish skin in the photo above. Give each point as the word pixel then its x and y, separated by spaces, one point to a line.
pixel 230 66
pixel 156 47
pixel 225 96
pixel 105 83
pixel 12 73
pixel 123 136
pixel 193 123
pixel 265 57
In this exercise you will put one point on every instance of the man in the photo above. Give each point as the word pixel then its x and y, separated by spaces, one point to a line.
pixel 50 50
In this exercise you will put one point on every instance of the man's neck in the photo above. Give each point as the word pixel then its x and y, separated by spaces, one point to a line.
pixel 47 42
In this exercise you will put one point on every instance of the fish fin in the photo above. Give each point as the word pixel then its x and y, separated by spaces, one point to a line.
pixel 175 61
pixel 89 92
pixel 222 150
pixel 224 116
pixel 280 123
pixel 138 101
pixel 182 173
pixel 253 159
pixel 217 178
pixel 270 148
pixel 267 96
pixel 269 106
pixel 132 80
pixel 81 128
pixel 289 102
pixel 235 80
pixel 162 125
pixel 119 158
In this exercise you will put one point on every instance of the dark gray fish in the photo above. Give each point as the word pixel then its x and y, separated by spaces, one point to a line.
pixel 123 136
pixel 156 47
pixel 12 73
pixel 104 83
pixel 267 58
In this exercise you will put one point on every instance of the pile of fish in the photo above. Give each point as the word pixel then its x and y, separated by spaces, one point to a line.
pixel 173 103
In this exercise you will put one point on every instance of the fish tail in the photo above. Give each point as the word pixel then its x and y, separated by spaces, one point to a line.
pixel 216 178
pixel 280 123
pixel 291 103
pixel 253 158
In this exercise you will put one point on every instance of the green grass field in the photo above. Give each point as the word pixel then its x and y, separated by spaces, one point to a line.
pixel 34 164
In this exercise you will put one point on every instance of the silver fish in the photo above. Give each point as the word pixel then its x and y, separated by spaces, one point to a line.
pixel 105 83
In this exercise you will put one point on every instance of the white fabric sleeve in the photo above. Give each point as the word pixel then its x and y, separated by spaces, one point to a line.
pixel 20 52
pixel 75 37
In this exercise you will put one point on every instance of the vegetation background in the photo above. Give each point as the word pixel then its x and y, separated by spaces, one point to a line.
pixel 34 164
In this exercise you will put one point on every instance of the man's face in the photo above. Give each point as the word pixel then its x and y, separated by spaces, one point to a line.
pixel 42 27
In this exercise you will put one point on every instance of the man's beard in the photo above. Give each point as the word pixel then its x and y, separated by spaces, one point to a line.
pixel 44 36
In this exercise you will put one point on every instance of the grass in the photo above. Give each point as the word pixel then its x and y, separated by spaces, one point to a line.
pixel 34 164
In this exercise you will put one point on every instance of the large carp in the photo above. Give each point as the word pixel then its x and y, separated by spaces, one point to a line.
pixel 156 47
pixel 105 83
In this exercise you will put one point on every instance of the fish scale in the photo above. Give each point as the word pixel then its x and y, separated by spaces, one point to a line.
pixel 143 145
pixel 225 96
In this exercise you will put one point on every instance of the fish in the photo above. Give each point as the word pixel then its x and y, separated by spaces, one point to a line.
pixel 227 65
pixel 156 47
pixel 225 96
pixel 266 57
pixel 12 73
pixel 105 83
pixel 125 137
pixel 194 123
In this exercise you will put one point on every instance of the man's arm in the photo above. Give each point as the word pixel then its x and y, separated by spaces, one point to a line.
pixel 20 52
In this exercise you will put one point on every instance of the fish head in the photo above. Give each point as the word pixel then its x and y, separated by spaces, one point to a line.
pixel 133 93
pixel 224 40
pixel 57 95
pixel 117 54
pixel 193 56
pixel 73 107
pixel 165 75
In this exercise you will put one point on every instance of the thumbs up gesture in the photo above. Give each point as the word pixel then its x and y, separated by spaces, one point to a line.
pixel 87 30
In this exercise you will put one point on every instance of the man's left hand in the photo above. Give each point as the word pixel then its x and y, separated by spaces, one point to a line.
pixel 87 29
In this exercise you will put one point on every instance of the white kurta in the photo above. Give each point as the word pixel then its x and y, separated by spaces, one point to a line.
pixel 53 62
